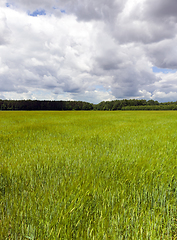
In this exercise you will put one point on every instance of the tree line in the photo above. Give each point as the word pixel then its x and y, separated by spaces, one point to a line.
pixel 134 104
pixel 131 104
pixel 44 105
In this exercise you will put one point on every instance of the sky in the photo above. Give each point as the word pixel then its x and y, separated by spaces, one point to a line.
pixel 88 50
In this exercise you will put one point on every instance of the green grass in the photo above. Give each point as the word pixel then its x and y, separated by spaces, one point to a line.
pixel 88 175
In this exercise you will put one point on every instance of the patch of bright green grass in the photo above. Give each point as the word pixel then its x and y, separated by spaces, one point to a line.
pixel 88 175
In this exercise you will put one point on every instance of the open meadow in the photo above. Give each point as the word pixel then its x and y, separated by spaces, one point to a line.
pixel 88 175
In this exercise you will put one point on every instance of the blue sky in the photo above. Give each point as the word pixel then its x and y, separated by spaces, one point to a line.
pixel 37 12
pixel 163 70
pixel 42 12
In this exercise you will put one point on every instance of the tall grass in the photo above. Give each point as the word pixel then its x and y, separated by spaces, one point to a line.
pixel 88 175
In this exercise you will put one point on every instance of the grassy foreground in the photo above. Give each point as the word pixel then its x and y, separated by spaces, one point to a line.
pixel 88 175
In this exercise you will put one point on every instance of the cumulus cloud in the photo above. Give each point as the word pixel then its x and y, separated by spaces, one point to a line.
pixel 163 54
pixel 87 50
pixel 84 10
pixel 161 9
pixel 4 29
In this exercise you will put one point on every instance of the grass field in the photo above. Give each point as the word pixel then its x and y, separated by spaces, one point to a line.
pixel 88 175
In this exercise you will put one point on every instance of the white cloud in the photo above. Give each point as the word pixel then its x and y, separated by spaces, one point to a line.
pixel 110 44
pixel 4 29
pixel 165 97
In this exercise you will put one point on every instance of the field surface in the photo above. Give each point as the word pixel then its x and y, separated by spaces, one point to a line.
pixel 88 175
